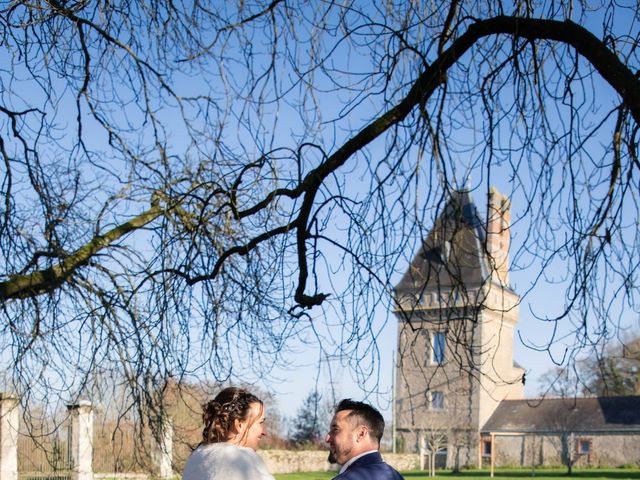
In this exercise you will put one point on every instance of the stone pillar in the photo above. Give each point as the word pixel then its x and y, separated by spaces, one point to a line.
pixel 9 417
pixel 81 440
pixel 163 449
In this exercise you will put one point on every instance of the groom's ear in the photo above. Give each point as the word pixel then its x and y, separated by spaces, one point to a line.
pixel 362 433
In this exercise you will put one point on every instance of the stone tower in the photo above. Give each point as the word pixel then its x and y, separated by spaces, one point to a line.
pixel 456 319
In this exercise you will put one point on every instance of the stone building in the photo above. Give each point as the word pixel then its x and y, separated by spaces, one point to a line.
pixel 458 391
pixel 456 318
pixel 580 432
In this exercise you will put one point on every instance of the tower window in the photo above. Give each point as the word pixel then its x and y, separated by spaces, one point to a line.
pixel 439 343
pixel 455 296
pixel 447 250
pixel 437 400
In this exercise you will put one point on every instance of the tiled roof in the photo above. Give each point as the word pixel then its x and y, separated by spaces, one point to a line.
pixel 453 253
pixel 599 414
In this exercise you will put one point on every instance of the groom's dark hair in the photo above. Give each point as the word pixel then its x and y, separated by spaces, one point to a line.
pixel 365 414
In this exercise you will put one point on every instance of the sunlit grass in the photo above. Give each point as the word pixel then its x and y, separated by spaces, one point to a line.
pixel 503 474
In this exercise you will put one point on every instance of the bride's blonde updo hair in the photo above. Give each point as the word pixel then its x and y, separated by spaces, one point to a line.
pixel 219 414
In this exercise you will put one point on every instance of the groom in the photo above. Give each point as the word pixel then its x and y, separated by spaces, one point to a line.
pixel 354 440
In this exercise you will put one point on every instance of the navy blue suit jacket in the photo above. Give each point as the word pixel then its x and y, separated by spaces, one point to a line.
pixel 369 467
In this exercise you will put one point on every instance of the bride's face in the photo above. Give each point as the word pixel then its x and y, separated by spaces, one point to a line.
pixel 252 429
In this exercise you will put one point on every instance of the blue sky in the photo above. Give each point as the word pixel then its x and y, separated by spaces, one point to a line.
pixel 329 370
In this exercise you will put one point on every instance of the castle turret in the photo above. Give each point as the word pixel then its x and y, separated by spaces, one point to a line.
pixel 456 320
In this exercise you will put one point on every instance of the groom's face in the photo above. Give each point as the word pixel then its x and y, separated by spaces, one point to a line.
pixel 341 437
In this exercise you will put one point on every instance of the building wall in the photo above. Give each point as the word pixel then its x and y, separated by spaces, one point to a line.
pixel 536 450
pixel 461 449
pixel 477 374
pixel 418 377
pixel 287 461
pixel 500 379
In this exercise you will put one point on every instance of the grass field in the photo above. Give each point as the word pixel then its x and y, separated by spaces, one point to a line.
pixel 592 474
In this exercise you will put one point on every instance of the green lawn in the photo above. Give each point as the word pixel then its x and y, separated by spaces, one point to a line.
pixel 477 474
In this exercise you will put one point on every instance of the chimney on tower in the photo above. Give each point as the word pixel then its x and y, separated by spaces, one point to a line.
pixel 498 235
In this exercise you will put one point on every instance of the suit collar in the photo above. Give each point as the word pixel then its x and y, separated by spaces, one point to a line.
pixel 372 456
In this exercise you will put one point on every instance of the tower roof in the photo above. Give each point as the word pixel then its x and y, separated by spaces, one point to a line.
pixel 454 253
